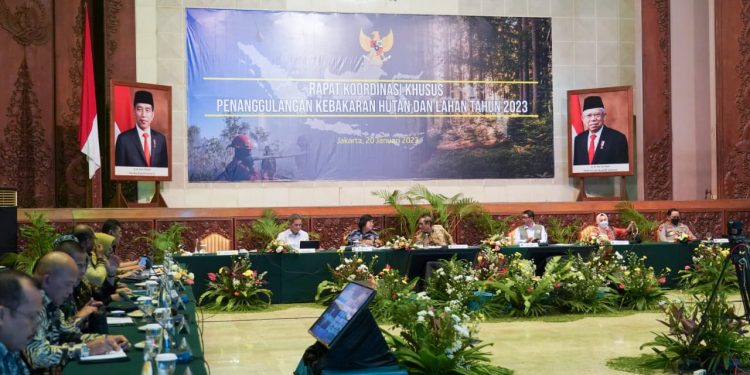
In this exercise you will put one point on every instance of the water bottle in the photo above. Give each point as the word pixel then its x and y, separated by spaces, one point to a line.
pixel 166 342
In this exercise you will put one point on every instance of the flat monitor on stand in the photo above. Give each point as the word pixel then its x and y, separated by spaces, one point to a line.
pixel 348 338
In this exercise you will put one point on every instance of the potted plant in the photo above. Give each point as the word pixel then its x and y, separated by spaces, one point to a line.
pixel 237 288
pixel 39 236
pixel 446 211
pixel 716 341
pixel 349 269
pixel 645 226
pixel 267 227
pixel 557 232
pixel 168 240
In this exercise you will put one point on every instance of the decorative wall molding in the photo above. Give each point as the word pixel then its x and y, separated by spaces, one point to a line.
pixel 733 153
pixel 657 98
pixel 333 223
pixel 71 169
pixel 26 145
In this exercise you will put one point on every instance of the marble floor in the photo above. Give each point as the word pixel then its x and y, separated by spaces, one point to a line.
pixel 273 342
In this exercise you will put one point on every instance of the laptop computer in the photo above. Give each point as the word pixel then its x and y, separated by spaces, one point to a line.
pixel 315 244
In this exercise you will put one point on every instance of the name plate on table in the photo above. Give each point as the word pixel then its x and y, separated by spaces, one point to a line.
pixel 306 251
pixel 528 244
pixel 227 252
pixel 362 248
pixel 720 240
pixel 619 242
pixel 458 246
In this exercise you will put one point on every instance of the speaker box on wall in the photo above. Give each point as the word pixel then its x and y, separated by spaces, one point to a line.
pixel 8 229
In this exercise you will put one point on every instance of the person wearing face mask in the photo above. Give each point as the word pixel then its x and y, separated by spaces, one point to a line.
pixel 603 229
pixel 672 229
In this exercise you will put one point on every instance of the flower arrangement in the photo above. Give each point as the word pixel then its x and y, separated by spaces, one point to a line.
pixel 279 247
pixel 349 269
pixel 455 280
pixel 436 338
pixel 708 259
pixel 595 239
pixel 391 287
pixel 586 290
pixel 490 265
pixel 237 288
pixel 606 261
pixel 682 237
pixel 522 293
pixel 689 345
pixel 639 286
pixel 400 243
pixel 494 242
pixel 182 275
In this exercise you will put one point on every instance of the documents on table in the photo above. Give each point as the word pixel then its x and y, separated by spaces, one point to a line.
pixel 107 356
pixel 118 321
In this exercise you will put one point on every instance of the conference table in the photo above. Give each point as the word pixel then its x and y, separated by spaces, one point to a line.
pixel 294 278
pixel 134 362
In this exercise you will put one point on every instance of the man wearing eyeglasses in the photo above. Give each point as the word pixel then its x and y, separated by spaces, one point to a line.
pixel 294 235
pixel 431 235
pixel 529 231
pixel 57 342
pixel 599 144
pixel 20 304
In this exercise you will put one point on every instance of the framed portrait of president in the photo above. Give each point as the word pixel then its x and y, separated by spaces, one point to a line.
pixel 600 132
pixel 140 131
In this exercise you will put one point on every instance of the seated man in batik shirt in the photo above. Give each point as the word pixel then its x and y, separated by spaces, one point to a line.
pixel 20 303
pixel 431 235
pixel 56 341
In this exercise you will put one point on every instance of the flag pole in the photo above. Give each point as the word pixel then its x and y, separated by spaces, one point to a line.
pixel 88 132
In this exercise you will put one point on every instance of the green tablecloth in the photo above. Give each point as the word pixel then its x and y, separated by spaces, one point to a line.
pixel 658 255
pixel 134 364
pixel 294 278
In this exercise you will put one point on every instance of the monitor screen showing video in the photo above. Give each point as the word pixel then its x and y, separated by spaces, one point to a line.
pixel 340 312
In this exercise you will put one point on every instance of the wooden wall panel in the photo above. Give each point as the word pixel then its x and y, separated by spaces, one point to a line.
pixel 333 223
pixel 27 101
pixel 40 103
pixel 70 165
pixel 199 228
pixel 333 230
pixel 657 96
pixel 117 49
pixel 733 98
pixel 134 233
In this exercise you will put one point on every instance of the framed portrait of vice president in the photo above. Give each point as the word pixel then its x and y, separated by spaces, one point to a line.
pixel 140 131
pixel 600 132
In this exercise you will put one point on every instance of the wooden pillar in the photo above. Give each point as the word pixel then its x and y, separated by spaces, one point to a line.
pixel 657 99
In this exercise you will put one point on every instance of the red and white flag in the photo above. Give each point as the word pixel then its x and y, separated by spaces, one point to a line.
pixel 88 132
pixel 574 110
pixel 123 114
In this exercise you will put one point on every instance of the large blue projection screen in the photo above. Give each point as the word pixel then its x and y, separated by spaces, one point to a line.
pixel 331 96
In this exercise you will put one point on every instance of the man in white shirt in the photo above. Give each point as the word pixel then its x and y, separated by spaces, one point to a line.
pixel 294 234
pixel 530 231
